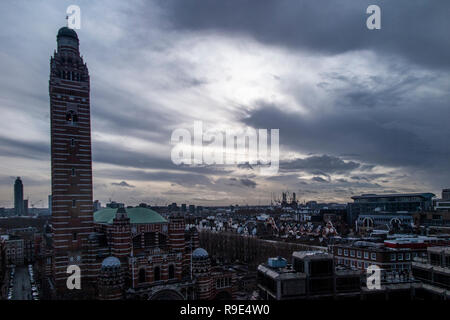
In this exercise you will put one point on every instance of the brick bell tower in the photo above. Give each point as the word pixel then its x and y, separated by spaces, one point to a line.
pixel 71 163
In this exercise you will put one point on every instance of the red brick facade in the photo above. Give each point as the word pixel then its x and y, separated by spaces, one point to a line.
pixel 71 163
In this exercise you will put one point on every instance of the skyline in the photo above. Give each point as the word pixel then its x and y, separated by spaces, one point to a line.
pixel 350 113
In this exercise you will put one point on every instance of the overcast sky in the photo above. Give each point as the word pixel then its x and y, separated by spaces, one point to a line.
pixel 358 111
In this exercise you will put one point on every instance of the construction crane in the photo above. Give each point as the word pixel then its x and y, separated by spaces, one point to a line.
pixel 34 204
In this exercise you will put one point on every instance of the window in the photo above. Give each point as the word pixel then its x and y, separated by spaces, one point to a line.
pixel 75 236
pixel 407 256
pixel 141 275
pixel 366 255
pixel 358 254
pixel 359 264
pixel 352 253
pixel 137 242
pixel 171 271
pixel 74 203
pixel 72 142
pixel 339 251
pixel 157 274
pixel 400 257
pixel 73 172
pixel 162 239
pixel 373 256
pixel 346 252
pixel 72 117
pixel 392 256
pixel 149 239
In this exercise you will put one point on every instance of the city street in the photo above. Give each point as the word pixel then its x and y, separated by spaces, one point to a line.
pixel 22 286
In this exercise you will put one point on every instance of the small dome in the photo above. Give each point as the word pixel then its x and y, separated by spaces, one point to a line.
pixel 67 32
pixel 111 262
pixel 200 253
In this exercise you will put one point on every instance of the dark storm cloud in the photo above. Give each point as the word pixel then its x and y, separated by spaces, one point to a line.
pixel 27 181
pixel 183 179
pixel 248 183
pixel 130 118
pixel 118 154
pixel 24 149
pixel 417 30
pixel 319 179
pixel 237 182
pixel 385 139
pixel 325 163
pixel 123 184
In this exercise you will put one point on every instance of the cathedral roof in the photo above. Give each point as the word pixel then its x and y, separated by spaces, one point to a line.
pixel 138 215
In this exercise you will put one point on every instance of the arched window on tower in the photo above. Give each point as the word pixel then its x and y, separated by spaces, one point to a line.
pixel 162 239
pixel 72 117
pixel 171 271
pixel 157 272
pixel 137 242
pixel 141 275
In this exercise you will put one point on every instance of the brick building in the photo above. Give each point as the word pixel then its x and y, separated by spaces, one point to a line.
pixel 13 250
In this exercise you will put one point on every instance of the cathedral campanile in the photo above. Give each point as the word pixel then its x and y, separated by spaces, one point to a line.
pixel 71 163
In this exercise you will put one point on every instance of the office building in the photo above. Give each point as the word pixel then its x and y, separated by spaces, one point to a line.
pixel 312 275
pixel 434 271
pixel 372 210
pixel 18 197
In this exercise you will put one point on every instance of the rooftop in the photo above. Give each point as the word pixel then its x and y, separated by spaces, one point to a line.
pixel 138 215
pixel 311 255
pixel 392 195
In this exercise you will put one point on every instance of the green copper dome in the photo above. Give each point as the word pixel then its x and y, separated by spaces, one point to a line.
pixel 67 32
pixel 137 215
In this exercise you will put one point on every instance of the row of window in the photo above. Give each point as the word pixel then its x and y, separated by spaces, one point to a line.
pixel 69 75
pixel 70 98
pixel 401 256
pixel 360 264
pixel 156 274
pixel 223 283
pixel 359 254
